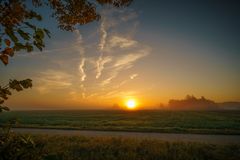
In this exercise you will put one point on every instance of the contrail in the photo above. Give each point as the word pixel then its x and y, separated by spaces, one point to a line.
pixel 82 57
pixel 101 61
pixel 81 69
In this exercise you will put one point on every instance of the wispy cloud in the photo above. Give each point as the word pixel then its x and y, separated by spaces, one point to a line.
pixel 101 59
pixel 115 94
pixel 122 42
pixel 133 76
pixel 103 35
pixel 82 55
pixel 109 40
pixel 81 69
pixel 129 16
pixel 124 48
pixel 52 80
pixel 109 79
pixel 123 63
pixel 130 58
pixel 100 64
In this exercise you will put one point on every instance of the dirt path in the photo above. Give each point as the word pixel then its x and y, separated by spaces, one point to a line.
pixel 215 139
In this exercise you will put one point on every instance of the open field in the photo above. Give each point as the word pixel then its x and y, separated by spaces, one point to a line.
pixel 207 122
pixel 109 148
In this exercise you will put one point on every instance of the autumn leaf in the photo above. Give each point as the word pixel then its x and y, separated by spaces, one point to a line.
pixel 4 59
pixel 7 42
pixel 8 51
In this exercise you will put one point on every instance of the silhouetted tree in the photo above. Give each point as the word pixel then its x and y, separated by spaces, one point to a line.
pixel 192 103
pixel 12 85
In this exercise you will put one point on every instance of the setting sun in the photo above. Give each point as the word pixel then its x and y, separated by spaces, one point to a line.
pixel 131 104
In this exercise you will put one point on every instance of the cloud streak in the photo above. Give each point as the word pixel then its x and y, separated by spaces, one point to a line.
pixel 133 76
pixel 100 64
pixel 103 34
pixel 81 51
pixel 81 69
pixel 124 49
pixel 130 58
pixel 122 42
pixel 53 80
pixel 102 60
pixel 123 63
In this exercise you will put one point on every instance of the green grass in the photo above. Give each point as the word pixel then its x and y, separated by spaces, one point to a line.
pixel 99 148
pixel 209 122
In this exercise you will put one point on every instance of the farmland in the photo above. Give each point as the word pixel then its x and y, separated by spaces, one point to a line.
pixel 207 122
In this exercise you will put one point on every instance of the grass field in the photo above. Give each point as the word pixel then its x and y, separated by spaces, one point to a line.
pixel 209 122
pixel 78 148
pixel 108 148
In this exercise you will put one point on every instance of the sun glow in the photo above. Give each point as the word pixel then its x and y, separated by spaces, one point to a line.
pixel 131 104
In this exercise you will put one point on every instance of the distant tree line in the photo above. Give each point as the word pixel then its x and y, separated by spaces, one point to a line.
pixel 190 102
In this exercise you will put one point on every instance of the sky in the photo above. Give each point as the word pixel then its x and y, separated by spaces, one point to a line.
pixel 151 51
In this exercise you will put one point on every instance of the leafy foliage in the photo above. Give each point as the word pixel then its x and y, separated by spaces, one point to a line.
pixel 16 30
pixel 19 33
pixel 14 147
pixel 12 85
